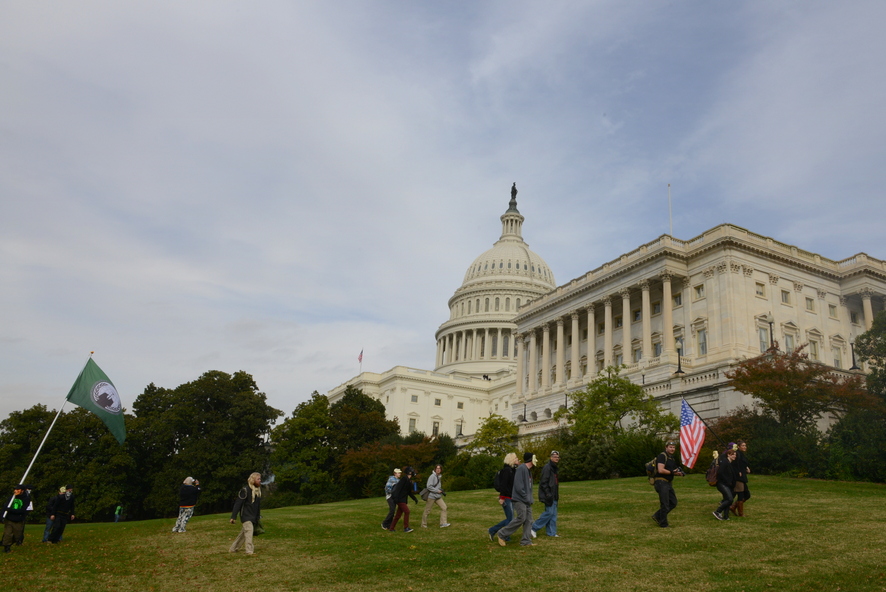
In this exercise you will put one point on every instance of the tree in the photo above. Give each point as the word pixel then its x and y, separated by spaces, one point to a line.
pixel 612 405
pixel 214 428
pixel 496 436
pixel 870 347
pixel 797 391
pixel 357 419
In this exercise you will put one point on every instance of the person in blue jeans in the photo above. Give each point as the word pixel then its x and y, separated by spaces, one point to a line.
pixel 506 486
pixel 549 495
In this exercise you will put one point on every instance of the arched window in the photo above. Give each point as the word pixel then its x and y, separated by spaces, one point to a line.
pixel 507 304
pixel 534 416
pixel 496 304
pixel 487 305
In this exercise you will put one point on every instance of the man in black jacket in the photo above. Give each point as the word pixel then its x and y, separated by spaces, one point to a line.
pixel 61 511
pixel 549 495
pixel 14 516
pixel 666 468
pixel 187 499
pixel 248 505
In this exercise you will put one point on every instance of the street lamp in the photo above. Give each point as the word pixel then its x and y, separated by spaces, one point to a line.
pixel 854 365
pixel 678 343
pixel 770 319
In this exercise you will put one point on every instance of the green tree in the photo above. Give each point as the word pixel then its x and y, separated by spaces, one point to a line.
pixel 870 348
pixel 356 420
pixel 496 436
pixel 214 428
pixel 796 391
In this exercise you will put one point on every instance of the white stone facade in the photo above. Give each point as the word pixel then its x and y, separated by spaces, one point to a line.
pixel 516 345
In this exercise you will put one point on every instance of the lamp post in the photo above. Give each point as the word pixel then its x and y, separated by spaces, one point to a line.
pixel 678 343
pixel 770 319
pixel 854 365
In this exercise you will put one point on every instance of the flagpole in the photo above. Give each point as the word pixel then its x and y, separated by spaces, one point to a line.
pixel 39 448
pixel 703 421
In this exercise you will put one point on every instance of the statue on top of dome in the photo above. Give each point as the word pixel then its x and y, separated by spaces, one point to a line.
pixel 514 191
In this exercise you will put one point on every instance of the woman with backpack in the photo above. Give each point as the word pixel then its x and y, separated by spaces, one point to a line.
pixel 726 475
pixel 504 481
pixel 742 493
pixel 400 494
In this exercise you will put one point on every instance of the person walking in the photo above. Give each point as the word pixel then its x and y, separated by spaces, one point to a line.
pixel 402 491
pixel 549 495
pixel 521 497
pixel 435 497
pixel 61 511
pixel 742 493
pixel 15 514
pixel 726 476
pixel 505 489
pixel 49 521
pixel 187 499
pixel 392 507
pixel 666 468
pixel 248 505
pixel 118 513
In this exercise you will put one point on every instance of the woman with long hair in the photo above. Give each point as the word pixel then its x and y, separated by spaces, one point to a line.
pixel 505 487
pixel 726 473
pixel 742 493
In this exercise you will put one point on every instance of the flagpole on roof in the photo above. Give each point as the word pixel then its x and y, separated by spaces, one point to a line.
pixel 39 448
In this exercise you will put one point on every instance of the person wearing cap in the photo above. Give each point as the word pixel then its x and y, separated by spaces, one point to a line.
pixel 521 498
pixel 61 511
pixel 187 499
pixel 666 468
pixel 14 515
pixel 401 493
pixel 389 489
pixel 49 521
pixel 548 494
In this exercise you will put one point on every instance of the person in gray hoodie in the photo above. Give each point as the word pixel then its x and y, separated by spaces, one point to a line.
pixel 521 498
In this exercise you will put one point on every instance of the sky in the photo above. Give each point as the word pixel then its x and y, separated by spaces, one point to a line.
pixel 277 186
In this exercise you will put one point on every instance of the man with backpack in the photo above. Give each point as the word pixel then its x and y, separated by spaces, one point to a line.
pixel 392 507
pixel 549 495
pixel 666 468
pixel 521 497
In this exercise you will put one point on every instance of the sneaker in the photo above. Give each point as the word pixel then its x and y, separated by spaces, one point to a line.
pixel 424 525
pixel 654 517
pixel 501 541
pixel 491 539
pixel 408 529
pixel 556 536
pixel 532 532
pixel 383 527
pixel 717 515
pixel 445 525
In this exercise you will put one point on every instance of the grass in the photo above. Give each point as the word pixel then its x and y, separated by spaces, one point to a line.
pixel 797 535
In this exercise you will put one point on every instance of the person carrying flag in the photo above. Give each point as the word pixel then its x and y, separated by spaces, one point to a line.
pixel 14 516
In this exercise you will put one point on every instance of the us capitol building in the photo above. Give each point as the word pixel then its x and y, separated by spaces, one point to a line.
pixel 517 344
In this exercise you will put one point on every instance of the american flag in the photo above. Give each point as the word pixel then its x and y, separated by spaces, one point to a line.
pixel 360 357
pixel 691 435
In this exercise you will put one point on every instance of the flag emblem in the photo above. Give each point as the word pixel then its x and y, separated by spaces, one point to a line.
pixel 105 396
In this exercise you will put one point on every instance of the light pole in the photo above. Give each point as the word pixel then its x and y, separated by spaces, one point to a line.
pixel 678 343
pixel 854 365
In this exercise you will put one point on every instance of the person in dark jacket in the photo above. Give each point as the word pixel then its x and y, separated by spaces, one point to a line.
pixel 549 495
pixel 14 515
pixel 506 486
pixel 726 475
pixel 187 499
pixel 742 493
pixel 248 505
pixel 666 468
pixel 401 493
pixel 521 497
pixel 61 511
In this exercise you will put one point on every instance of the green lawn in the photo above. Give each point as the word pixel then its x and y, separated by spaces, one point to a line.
pixel 797 535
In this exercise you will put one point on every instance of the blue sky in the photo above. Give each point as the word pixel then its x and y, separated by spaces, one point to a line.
pixel 194 186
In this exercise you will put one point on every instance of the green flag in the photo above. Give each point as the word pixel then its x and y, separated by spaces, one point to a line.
pixel 93 390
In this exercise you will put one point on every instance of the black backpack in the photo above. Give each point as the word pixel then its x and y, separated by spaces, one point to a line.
pixel 652 470
pixel 496 481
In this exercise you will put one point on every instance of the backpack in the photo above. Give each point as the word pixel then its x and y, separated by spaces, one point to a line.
pixel 652 470
pixel 496 481
pixel 711 474
pixel 389 487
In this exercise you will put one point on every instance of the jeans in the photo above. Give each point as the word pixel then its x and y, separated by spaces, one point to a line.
pixel 392 507
pixel 667 500
pixel 548 520
pixel 508 507
pixel 723 508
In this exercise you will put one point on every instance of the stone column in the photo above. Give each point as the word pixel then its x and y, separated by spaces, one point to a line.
pixel 576 339
pixel 561 352
pixel 518 339
pixel 464 345
pixel 647 320
pixel 487 346
pixel 667 318
pixel 546 356
pixel 607 332
pixel 626 322
pixel 592 342
pixel 533 363
pixel 866 294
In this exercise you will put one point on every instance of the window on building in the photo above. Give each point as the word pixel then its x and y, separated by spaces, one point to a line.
pixel 568 370
pixel 411 425
pixel 569 340
pixel 637 354
pixel 656 307
pixel 619 321
pixel 458 429
pixel 702 339
pixel 435 430
pixel 619 359
pixel 699 291
pixel 517 306
pixel 785 297
pixel 414 398
pixel 810 304
pixel 761 289
pixel 437 402
pixel 656 348
pixel 678 299
pixel 496 305
pixel 637 315
pixel 584 334
pixel 853 318
pixel 832 311
pixel 789 343
pixel 460 405
pixel 601 328
pixel 763 336
pixel 837 356
pixel 813 350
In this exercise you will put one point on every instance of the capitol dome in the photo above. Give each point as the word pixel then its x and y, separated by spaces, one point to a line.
pixel 477 339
